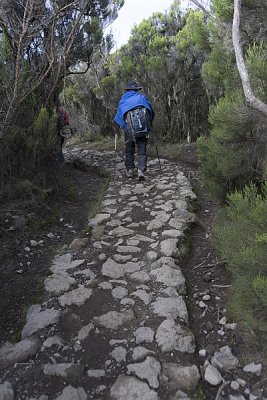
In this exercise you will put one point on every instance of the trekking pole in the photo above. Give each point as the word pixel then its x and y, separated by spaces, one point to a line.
pixel 155 141
pixel 116 136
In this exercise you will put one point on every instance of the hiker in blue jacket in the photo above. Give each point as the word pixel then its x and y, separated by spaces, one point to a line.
pixel 130 100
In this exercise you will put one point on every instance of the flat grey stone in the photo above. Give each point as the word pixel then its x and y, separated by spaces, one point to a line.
pixel 142 295
pixel 96 373
pixel 120 231
pixel 64 263
pixel 170 277
pixel 84 331
pixel 99 219
pixel 172 233
pixel 119 354
pixel 224 359
pixel 124 192
pixel 234 385
pixel 105 285
pixel 126 301
pixel 113 342
pixel 212 375
pixel 171 336
pixel 139 277
pixel 108 202
pixel 59 283
pixel 18 352
pixel 178 224
pixel 151 255
pixel 122 258
pixel 61 263
pixel 6 391
pixel 142 238
pixel 165 186
pixel 70 372
pixel 170 307
pixel 183 378
pixel 168 247
pixel 131 266
pixel 114 319
pixel 119 292
pixel 128 249
pixel 170 292
pixel 131 388
pixel 161 215
pixel 53 341
pixel 97 232
pixel 114 222
pixel 148 370
pixel 187 216
pixel 87 273
pixel 112 269
pixel 238 397
pixel 75 297
pixel 76 263
pixel 144 334
pixel 253 368
pixel 78 244
pixel 155 224
pixel 130 242
pixel 180 395
pixel 140 353
pixel 37 320
pixel 71 393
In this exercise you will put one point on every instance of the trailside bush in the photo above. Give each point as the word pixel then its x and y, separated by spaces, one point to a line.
pixel 29 151
pixel 240 236
pixel 234 152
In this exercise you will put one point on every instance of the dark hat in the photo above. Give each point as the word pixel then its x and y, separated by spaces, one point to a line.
pixel 132 85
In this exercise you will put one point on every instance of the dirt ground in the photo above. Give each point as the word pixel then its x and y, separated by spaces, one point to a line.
pixel 24 266
pixel 22 271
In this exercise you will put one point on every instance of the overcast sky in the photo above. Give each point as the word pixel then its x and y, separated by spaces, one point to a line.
pixel 133 12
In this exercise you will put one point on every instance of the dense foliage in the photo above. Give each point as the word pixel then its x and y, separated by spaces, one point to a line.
pixel 41 42
pixel 168 67
pixel 235 151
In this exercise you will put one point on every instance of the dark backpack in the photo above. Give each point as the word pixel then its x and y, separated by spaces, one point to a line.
pixel 138 121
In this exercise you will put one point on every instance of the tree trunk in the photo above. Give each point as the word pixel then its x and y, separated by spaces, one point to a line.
pixel 256 103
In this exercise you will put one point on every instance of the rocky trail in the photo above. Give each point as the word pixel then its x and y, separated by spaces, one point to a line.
pixel 117 315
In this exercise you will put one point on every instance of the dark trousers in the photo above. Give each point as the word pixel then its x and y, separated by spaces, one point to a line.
pixel 130 145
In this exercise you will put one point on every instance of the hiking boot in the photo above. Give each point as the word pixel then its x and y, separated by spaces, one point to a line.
pixel 130 173
pixel 141 176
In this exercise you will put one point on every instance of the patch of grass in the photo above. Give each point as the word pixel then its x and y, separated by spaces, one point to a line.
pixel 39 288
pixel 67 188
pixel 16 337
pixel 101 144
pixel 171 151
pixel 200 392
pixel 42 222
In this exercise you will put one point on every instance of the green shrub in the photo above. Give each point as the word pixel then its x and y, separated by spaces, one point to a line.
pixel 240 236
pixel 233 154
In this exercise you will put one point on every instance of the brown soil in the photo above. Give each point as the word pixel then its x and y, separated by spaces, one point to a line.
pixel 22 272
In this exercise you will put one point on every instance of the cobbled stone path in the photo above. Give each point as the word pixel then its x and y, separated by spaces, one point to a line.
pixel 114 321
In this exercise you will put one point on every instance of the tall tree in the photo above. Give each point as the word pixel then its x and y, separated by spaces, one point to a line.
pixel 46 40
pixel 41 43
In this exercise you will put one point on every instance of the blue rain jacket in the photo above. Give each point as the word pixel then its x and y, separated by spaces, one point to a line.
pixel 128 101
